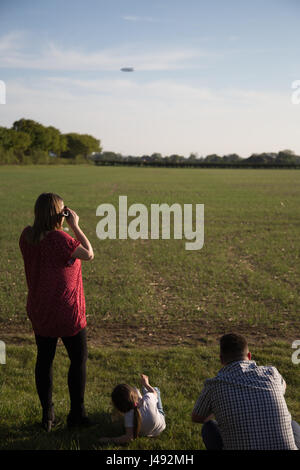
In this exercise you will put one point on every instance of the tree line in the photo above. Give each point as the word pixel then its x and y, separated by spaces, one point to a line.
pixel 284 158
pixel 29 142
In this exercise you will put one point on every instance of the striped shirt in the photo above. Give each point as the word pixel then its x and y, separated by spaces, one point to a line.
pixel 249 406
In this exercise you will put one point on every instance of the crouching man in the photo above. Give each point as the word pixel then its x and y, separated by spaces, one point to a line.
pixel 243 407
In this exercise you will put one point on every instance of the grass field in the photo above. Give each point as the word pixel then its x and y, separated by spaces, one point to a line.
pixel 152 306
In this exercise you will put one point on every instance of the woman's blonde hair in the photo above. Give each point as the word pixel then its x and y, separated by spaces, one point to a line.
pixel 125 398
pixel 47 215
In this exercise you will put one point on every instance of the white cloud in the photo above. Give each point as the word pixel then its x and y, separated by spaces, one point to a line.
pixel 12 41
pixel 130 18
pixel 233 38
pixel 147 19
pixel 163 116
pixel 13 53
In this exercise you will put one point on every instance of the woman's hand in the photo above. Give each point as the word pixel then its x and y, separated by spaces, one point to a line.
pixel 73 218
pixel 84 251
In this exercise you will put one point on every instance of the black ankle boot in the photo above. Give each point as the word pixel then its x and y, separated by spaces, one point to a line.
pixel 48 419
pixel 78 418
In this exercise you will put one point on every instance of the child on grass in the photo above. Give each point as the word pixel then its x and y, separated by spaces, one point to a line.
pixel 143 414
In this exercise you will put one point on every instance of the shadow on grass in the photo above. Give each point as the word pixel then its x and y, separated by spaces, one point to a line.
pixel 33 437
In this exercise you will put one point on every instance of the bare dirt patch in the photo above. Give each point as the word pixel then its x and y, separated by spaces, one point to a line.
pixel 161 336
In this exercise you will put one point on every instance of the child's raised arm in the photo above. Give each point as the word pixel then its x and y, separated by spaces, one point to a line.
pixel 145 383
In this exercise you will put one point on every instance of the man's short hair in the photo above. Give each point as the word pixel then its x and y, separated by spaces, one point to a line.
pixel 233 347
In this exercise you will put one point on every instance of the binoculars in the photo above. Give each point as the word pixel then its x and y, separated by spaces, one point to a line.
pixel 65 212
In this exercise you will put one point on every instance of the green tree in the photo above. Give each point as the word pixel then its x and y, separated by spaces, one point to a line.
pixel 213 158
pixel 193 157
pixel 80 144
pixel 40 138
pixel 261 158
pixel 287 157
pixel 232 157
pixel 48 139
pixel 175 158
pixel 57 141
pixel 11 139
pixel 156 157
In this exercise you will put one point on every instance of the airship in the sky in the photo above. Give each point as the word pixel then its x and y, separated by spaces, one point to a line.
pixel 127 69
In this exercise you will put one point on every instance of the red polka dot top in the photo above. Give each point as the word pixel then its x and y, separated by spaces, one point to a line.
pixel 55 301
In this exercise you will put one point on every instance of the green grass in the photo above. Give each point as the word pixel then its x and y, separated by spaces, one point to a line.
pixel 246 274
pixel 152 306
pixel 179 372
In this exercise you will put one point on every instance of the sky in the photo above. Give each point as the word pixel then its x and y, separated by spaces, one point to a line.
pixel 209 76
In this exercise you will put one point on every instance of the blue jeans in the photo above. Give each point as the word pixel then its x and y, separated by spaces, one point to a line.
pixel 159 404
pixel 213 440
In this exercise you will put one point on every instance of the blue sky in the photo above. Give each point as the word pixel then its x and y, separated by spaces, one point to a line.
pixel 210 77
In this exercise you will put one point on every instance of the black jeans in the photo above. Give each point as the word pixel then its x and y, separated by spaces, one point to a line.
pixel 76 347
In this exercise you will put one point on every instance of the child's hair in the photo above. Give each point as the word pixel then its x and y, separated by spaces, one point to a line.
pixel 125 398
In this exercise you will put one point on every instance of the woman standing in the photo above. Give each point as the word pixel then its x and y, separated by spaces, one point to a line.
pixel 55 302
